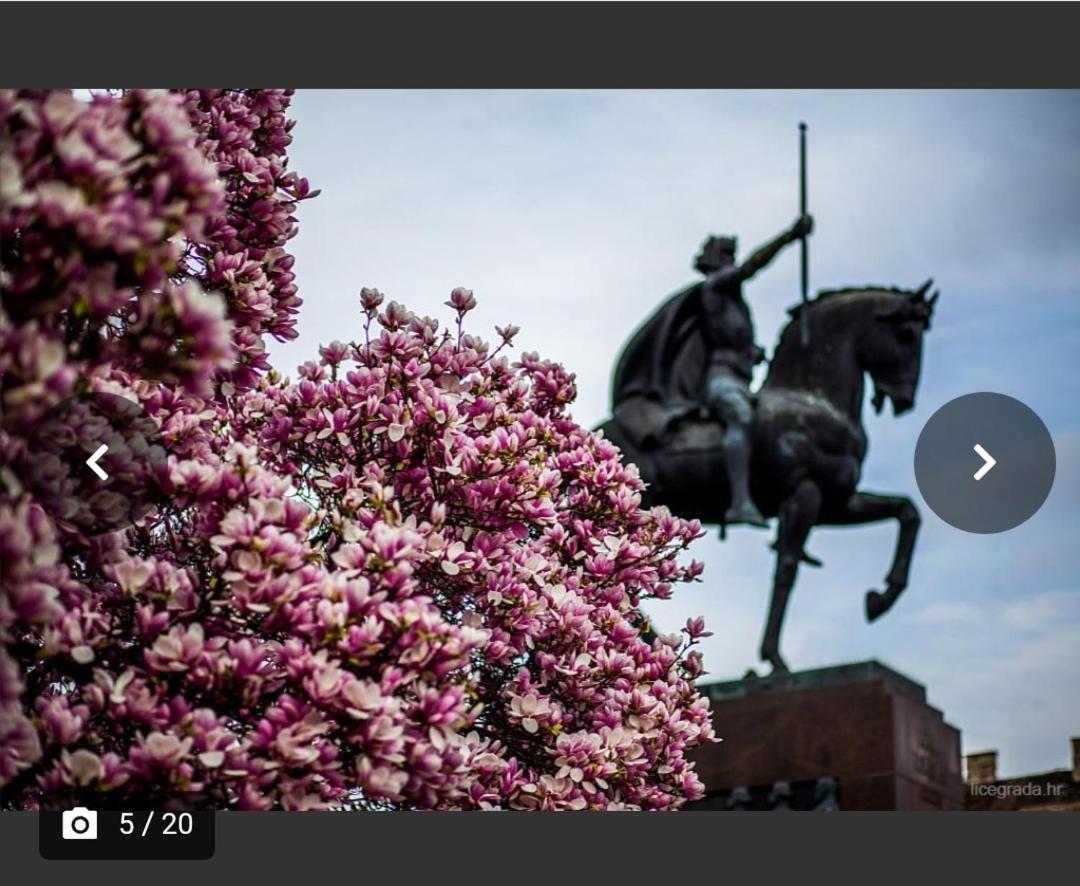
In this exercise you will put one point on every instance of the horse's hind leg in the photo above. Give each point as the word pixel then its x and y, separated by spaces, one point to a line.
pixel 798 513
pixel 866 507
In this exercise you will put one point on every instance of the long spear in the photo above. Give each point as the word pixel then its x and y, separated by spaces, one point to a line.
pixel 804 328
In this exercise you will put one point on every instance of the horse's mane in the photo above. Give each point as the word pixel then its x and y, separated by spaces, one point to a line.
pixel 827 294
pixel 827 298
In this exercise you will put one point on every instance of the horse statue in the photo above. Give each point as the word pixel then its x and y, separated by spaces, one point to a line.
pixel 808 440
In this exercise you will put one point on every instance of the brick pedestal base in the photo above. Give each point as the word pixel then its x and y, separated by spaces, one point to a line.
pixel 858 736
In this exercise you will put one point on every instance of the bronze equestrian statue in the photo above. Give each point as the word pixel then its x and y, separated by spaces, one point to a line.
pixel 711 450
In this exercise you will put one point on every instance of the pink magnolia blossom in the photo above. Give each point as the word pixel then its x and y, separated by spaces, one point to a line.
pixel 403 578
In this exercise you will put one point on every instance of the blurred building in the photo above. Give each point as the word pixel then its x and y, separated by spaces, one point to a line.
pixel 1054 791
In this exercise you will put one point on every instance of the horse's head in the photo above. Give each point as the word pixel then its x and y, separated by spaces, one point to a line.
pixel 890 349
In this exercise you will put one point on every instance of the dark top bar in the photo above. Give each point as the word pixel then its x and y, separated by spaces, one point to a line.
pixel 531 45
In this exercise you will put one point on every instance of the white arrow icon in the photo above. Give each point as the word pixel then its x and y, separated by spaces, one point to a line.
pixel 988 462
pixel 92 462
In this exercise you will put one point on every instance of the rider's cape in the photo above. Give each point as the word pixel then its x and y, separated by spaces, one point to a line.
pixel 659 375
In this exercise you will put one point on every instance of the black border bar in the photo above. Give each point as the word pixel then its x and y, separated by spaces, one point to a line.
pixel 541 45
pixel 573 848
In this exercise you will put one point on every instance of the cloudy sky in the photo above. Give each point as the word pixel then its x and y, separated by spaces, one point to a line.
pixel 572 214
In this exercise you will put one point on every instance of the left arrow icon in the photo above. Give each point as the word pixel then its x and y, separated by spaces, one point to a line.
pixel 92 462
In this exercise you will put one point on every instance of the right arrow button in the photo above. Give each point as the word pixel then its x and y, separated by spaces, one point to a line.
pixel 1009 486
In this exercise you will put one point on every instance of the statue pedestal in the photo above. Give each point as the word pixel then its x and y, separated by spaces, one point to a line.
pixel 860 735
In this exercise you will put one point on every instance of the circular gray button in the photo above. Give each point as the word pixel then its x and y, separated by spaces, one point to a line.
pixel 96 463
pixel 985 462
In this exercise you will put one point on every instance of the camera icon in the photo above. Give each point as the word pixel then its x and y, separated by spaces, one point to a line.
pixel 79 823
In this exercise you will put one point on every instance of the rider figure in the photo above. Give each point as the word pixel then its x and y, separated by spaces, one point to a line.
pixel 729 337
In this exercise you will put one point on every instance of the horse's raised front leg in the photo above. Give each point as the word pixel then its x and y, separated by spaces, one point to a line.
pixel 798 513
pixel 866 507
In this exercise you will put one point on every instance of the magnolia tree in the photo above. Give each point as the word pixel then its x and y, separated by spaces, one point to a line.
pixel 405 579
